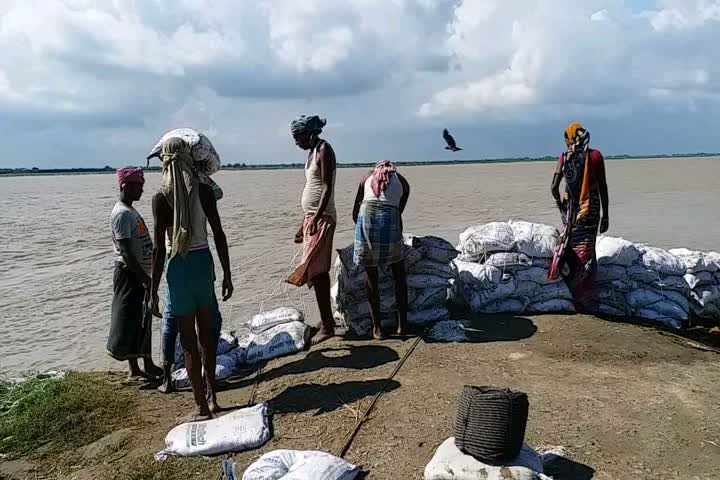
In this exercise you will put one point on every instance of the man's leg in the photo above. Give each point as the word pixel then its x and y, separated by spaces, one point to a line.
pixel 208 346
pixel 401 296
pixel 151 370
pixel 193 364
pixel 371 279
pixel 321 284
pixel 168 336
pixel 134 369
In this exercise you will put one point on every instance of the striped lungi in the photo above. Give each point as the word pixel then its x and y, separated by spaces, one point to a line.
pixel 378 235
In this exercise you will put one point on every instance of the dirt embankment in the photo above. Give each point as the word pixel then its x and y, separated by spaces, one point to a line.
pixel 625 401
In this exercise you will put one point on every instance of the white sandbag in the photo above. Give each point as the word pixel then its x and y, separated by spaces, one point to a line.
pixel 448 331
pixel 430 297
pixel 278 341
pixel 479 241
pixel 700 279
pixel 237 431
pixel 706 302
pixel 434 248
pixel 616 251
pixel 556 305
pixel 205 158
pixel 661 261
pixel 226 343
pixel 266 320
pixel 431 267
pixel 695 262
pixel 534 239
pixel 485 276
pixel 426 281
pixel 449 463
pixel 300 465
pixel 431 315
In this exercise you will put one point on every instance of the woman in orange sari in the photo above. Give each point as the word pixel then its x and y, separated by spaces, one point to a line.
pixel 585 193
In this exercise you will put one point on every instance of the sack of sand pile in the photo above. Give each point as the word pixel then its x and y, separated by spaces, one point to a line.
pixel 509 270
pixel 702 274
pixel 640 281
pixel 272 318
pixel 227 365
pixel 300 465
pixel 429 272
pixel 280 340
pixel 205 159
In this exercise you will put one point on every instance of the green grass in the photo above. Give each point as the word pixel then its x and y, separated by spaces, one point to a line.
pixel 172 469
pixel 59 413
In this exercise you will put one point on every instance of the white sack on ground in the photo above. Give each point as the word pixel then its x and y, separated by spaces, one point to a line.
pixel 534 239
pixel 300 465
pixel 237 431
pixel 266 320
pixel 449 463
pixel 703 277
pixel 275 342
pixel 616 251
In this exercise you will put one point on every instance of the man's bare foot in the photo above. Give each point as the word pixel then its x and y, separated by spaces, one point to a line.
pixel 403 330
pixel 153 371
pixel 378 334
pixel 322 335
pixel 137 378
pixel 166 386
pixel 196 417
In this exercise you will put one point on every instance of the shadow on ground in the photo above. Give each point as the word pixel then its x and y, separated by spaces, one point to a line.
pixel 326 398
pixel 352 357
pixel 560 468
pixel 495 328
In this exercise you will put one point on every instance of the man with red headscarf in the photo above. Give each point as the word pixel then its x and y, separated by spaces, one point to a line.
pixel 130 325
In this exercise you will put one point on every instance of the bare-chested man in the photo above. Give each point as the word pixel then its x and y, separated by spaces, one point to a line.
pixel 182 209
pixel 318 227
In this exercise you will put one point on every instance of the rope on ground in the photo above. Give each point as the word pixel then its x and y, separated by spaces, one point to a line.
pixel 351 436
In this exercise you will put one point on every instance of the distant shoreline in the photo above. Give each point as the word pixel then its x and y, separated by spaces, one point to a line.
pixel 23 172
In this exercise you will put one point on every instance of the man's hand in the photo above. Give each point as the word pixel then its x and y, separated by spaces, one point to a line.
pixel 604 224
pixel 313 227
pixel 155 305
pixel 227 288
pixel 299 235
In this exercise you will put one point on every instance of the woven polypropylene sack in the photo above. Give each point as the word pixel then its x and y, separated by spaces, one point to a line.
pixel 490 423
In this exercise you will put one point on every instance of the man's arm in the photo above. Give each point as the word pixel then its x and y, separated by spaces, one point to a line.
pixel 162 215
pixel 209 204
pixel 358 200
pixel 406 192
pixel 326 161
pixel 132 262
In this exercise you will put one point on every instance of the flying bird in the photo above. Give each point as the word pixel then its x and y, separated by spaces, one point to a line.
pixel 451 145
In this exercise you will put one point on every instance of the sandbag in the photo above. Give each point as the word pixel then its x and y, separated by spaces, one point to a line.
pixel 426 281
pixel 511 261
pixel 424 317
pixel 226 343
pixel 509 305
pixel 534 239
pixel 205 159
pixel 431 267
pixel 277 341
pixel 266 320
pixel 556 305
pixel 661 261
pixel 449 463
pixel 616 251
pixel 695 262
pixel 479 241
pixel 448 331
pixel 300 465
pixel 485 276
pixel 648 314
pixel 237 431
pixel 434 248
pixel 429 297
pixel 226 365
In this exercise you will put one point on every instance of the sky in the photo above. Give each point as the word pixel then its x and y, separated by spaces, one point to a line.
pixel 88 83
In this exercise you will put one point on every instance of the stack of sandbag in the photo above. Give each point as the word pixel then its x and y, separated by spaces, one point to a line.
pixel 503 267
pixel 430 273
pixel 206 160
pixel 229 360
pixel 702 274
pixel 640 281
pixel 274 333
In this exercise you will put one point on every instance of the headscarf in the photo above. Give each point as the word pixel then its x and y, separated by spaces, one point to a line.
pixel 381 176
pixel 575 166
pixel 303 124
pixel 130 175
pixel 179 184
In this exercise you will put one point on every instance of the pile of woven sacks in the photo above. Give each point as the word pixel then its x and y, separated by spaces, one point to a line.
pixel 503 268
pixel 428 263
pixel 702 274
pixel 636 280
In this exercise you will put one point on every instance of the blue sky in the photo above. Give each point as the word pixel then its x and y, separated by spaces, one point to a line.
pixel 95 82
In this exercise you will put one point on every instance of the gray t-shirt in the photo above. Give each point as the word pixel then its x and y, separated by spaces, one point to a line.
pixel 126 223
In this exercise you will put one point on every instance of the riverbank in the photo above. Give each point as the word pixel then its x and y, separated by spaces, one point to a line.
pixel 624 400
